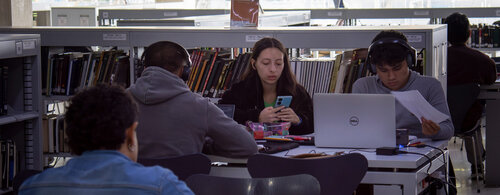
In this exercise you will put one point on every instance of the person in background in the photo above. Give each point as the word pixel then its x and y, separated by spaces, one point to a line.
pixel 390 56
pixel 173 121
pixel 466 65
pixel 100 125
pixel 268 76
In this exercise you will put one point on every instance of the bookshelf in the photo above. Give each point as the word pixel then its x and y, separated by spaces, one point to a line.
pixel 21 95
pixel 107 17
pixel 431 37
pixel 131 39
pixel 343 13
pixel 267 19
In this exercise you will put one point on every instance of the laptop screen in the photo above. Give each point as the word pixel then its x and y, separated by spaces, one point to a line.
pixel 228 109
pixel 354 120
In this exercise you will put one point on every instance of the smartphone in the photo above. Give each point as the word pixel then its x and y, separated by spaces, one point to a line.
pixel 283 101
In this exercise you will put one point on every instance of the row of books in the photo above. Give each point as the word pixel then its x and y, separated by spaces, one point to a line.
pixel 314 75
pixel 8 162
pixel 330 76
pixel 485 36
pixel 54 134
pixel 4 72
pixel 213 72
pixel 66 73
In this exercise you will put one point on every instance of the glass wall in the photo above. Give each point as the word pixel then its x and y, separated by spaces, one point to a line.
pixel 287 4
pixel 269 4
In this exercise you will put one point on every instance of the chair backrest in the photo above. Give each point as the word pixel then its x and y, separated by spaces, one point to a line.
pixel 460 99
pixel 336 175
pixel 182 166
pixel 302 184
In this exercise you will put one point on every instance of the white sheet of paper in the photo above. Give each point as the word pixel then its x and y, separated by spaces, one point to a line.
pixel 417 105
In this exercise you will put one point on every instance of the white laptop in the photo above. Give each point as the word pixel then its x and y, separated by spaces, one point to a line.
pixel 354 120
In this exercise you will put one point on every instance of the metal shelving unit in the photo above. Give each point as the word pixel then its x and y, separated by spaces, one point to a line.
pixel 267 19
pixel 431 37
pixel 107 17
pixel 343 13
pixel 21 54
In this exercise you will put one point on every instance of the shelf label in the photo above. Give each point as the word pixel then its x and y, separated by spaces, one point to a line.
pixel 114 37
pixel 29 44
pixel 62 20
pixel 421 13
pixel 105 15
pixel 170 14
pixel 414 38
pixel 19 48
pixel 335 13
pixel 84 20
pixel 255 38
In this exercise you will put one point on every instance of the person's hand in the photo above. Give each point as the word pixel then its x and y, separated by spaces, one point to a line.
pixel 429 127
pixel 288 115
pixel 269 114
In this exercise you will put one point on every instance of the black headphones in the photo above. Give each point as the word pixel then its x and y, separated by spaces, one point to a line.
pixel 186 69
pixel 411 57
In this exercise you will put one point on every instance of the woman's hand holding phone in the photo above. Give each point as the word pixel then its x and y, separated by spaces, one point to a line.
pixel 288 115
pixel 269 114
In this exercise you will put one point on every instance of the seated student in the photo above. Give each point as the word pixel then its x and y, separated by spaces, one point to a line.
pixel 467 65
pixel 174 121
pixel 100 124
pixel 267 77
pixel 390 55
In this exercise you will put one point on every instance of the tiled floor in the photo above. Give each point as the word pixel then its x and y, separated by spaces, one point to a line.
pixel 462 171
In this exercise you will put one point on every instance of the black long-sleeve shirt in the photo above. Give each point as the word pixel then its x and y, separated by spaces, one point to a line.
pixel 467 65
pixel 249 102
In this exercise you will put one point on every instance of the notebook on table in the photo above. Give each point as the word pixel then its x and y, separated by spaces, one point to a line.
pixel 354 120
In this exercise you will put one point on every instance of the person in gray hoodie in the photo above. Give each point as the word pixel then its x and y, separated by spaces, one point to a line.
pixel 173 121
pixel 390 56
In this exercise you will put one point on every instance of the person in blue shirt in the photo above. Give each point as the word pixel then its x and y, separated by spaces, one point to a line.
pixel 100 127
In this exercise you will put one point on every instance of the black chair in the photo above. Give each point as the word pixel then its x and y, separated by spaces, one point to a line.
pixel 182 166
pixel 302 184
pixel 336 175
pixel 460 100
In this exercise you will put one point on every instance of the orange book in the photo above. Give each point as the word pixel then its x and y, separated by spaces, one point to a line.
pixel 198 81
pixel 209 72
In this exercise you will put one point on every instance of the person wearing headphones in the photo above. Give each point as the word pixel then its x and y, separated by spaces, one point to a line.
pixel 390 56
pixel 173 121
pixel 267 77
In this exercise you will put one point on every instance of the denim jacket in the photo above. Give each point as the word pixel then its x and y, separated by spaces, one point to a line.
pixel 104 172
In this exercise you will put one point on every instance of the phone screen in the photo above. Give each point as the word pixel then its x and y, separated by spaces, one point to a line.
pixel 283 101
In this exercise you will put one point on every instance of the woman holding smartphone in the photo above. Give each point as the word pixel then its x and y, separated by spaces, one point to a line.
pixel 267 77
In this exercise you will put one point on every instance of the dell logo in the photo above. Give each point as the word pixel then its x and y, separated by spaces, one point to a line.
pixel 354 121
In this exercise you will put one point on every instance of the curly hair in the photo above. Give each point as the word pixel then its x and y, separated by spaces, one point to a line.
pixel 287 79
pixel 390 54
pixel 458 28
pixel 98 117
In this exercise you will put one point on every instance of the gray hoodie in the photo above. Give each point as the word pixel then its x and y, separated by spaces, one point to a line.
pixel 173 121
pixel 431 90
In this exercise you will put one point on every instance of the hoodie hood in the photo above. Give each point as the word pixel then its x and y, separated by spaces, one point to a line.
pixel 157 85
